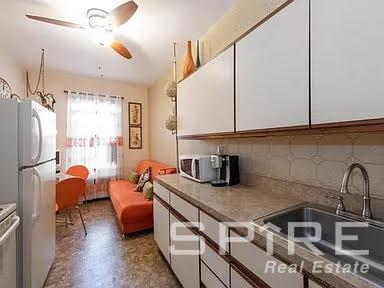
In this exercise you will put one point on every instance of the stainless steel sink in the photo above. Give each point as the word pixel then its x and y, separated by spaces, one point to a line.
pixel 369 238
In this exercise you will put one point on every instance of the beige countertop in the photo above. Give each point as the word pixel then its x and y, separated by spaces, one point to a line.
pixel 235 203
pixel 243 204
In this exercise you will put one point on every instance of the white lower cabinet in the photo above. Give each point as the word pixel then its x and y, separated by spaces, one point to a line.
pixel 209 279
pixel 189 212
pixel 312 284
pixel 238 281
pixel 182 245
pixel 161 192
pixel 185 255
pixel 213 229
pixel 215 262
pixel 161 227
pixel 256 259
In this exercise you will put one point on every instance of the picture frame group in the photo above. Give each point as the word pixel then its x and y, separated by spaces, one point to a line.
pixel 135 117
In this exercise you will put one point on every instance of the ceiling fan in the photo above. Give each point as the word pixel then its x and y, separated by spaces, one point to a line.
pixel 102 23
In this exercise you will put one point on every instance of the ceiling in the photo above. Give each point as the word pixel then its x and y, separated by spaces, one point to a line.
pixel 148 35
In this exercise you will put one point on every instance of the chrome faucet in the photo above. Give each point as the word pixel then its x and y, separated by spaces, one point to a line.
pixel 367 212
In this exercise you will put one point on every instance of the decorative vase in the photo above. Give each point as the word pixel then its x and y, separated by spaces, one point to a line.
pixel 189 65
pixel 198 62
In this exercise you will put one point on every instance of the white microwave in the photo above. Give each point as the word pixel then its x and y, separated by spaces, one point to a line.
pixel 197 167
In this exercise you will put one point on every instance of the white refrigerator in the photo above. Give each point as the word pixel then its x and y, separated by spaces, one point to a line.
pixel 27 177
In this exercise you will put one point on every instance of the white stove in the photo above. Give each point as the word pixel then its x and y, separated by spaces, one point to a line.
pixel 6 210
pixel 8 225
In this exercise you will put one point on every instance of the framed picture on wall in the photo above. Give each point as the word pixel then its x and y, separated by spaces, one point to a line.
pixel 135 114
pixel 135 138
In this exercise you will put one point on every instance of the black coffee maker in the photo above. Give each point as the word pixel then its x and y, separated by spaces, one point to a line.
pixel 227 170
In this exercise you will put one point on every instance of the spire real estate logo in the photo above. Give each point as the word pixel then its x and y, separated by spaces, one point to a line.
pixel 342 255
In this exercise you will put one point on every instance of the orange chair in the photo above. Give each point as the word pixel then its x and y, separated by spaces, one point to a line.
pixel 68 193
pixel 81 172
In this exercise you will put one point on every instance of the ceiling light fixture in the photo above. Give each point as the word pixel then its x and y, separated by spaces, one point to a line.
pixel 98 19
pixel 101 25
pixel 102 36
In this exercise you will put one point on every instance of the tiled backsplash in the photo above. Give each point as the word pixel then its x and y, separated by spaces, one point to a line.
pixel 316 160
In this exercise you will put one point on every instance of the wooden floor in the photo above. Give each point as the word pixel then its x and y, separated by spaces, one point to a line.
pixel 104 259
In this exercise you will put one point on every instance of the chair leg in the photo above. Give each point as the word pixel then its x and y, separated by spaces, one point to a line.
pixel 71 221
pixel 82 220
pixel 66 218
pixel 86 201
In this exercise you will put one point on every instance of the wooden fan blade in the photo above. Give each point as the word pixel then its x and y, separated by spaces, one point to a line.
pixel 120 48
pixel 55 21
pixel 121 14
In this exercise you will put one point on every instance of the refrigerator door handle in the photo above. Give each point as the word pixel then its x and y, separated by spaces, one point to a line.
pixel 36 210
pixel 40 148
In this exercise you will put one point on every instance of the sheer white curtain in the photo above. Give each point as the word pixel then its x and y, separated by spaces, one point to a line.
pixel 95 138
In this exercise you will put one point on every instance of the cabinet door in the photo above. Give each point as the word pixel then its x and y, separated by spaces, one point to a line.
pixel 312 284
pixel 218 265
pixel 212 228
pixel 184 263
pixel 256 260
pixel 347 46
pixel 161 192
pixel 208 279
pixel 185 209
pixel 272 72
pixel 239 281
pixel 161 227
pixel 205 101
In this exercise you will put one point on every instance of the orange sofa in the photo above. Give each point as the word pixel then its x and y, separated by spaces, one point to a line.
pixel 134 212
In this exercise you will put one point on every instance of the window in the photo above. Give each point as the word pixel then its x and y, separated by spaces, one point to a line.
pixel 94 134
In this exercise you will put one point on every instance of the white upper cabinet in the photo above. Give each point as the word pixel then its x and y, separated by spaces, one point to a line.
pixel 205 101
pixel 272 72
pixel 347 51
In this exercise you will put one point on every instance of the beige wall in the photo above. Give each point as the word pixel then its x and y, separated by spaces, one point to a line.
pixel 57 82
pixel 12 72
pixel 162 142
pixel 236 22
